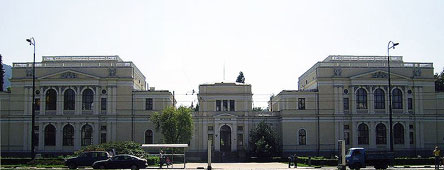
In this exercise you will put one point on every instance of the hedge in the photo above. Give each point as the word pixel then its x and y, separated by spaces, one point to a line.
pixel 29 161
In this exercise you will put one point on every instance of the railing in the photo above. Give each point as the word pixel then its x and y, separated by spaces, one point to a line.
pixel 76 64
pixel 81 58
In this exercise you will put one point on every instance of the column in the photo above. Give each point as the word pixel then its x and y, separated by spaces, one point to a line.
pixel 372 135
pixel 246 132
pixel 108 131
pixel 26 136
pixel 387 102
pixel 59 101
pixel 42 102
pixel 216 136
pixel 353 101
pixel 416 99
pixel 59 136
pixel 336 96
pixel 406 135
pixel 96 131
pixel 114 100
pixel 405 101
pixel 388 135
pixel 77 135
pixel 96 101
pixel 354 134
pixel 204 126
pixel 109 100
pixel 78 106
pixel 234 137
pixel 41 137
pixel 421 101
pixel 114 131
pixel 341 100
pixel 371 103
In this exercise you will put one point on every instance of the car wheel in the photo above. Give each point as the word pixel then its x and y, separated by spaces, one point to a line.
pixel 101 167
pixel 134 167
pixel 72 166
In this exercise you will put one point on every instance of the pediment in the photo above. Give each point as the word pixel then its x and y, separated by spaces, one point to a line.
pixel 378 74
pixel 68 74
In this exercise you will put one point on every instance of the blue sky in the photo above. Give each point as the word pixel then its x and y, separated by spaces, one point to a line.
pixel 181 44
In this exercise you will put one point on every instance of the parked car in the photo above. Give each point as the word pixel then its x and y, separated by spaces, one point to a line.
pixel 359 158
pixel 123 161
pixel 86 159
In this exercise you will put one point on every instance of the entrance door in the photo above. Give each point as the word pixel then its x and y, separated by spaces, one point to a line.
pixel 225 138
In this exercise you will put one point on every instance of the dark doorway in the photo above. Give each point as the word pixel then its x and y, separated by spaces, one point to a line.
pixel 225 138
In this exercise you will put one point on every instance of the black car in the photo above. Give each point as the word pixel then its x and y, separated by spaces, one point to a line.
pixel 121 162
pixel 86 159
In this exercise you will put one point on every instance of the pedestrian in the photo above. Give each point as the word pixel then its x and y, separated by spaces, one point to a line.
pixel 295 159
pixel 437 154
pixel 290 160
pixel 161 159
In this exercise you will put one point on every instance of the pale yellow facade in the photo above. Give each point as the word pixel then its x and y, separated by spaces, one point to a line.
pixel 91 100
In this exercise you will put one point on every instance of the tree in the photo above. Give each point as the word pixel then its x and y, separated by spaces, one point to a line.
pixel 264 140
pixel 125 147
pixel 439 82
pixel 240 78
pixel 176 125
pixel 2 73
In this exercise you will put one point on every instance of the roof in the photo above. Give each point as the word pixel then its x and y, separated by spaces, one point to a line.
pixel 164 145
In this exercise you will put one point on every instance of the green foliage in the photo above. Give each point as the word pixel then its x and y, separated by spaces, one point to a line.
pixel 240 78
pixel 264 140
pixel 176 125
pixel 439 82
pixel 126 147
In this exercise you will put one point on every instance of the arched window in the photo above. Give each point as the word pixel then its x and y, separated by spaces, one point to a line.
pixel 363 134
pixel 50 135
pixel 86 135
pixel 68 135
pixel 51 99
pixel 149 137
pixel 87 99
pixel 302 137
pixel 397 99
pixel 398 133
pixel 361 99
pixel 69 100
pixel 381 134
pixel 379 99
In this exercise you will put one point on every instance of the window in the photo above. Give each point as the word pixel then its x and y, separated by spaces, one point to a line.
pixel 87 99
pixel 347 138
pixel 148 104
pixel 412 138
pixel 397 99
pixel 240 139
pixel 398 133
pixel 361 100
pixel 302 137
pixel 218 105
pixel 50 135
pixel 225 102
pixel 410 103
pixel 102 137
pixel 37 104
pixel 379 99
pixel 149 137
pixel 103 104
pixel 381 134
pixel 231 105
pixel 51 99
pixel 346 104
pixel 240 128
pixel 301 103
pixel 69 100
pixel 362 134
pixel 210 128
pixel 86 135
pixel 68 135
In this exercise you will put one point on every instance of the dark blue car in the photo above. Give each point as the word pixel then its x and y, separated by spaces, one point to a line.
pixel 123 161
pixel 86 159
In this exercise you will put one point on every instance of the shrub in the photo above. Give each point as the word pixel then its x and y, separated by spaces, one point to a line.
pixel 126 147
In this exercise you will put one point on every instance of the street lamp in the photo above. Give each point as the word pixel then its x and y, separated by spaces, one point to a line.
pixel 389 91
pixel 32 42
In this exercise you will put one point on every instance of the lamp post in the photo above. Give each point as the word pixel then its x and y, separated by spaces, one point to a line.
pixel 32 42
pixel 389 91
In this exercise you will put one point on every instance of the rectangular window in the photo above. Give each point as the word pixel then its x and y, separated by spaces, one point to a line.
pixel 346 104
pixel 231 105
pixel 346 127
pixel 149 104
pixel 37 105
pixel 210 128
pixel 410 103
pixel 412 138
pixel 240 140
pixel 301 103
pixel 347 138
pixel 102 128
pixel 103 138
pixel 218 105
pixel 240 128
pixel 225 105
pixel 103 104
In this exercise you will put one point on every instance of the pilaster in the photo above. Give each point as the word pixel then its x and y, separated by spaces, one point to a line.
pixel 59 136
